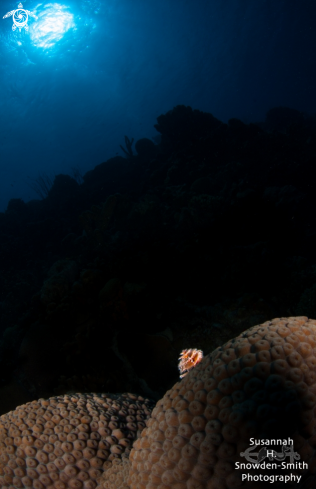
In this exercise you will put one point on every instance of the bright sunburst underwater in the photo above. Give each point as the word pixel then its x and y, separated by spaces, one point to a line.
pixel 54 20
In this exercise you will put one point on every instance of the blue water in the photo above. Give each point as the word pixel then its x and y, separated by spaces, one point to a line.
pixel 86 73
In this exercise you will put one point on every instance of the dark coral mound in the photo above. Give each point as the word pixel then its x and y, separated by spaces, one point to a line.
pixel 145 148
pixel 182 125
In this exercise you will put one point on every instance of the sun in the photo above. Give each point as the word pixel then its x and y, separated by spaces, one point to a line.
pixel 53 22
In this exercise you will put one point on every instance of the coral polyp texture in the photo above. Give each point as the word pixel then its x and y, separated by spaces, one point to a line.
pixel 189 359
pixel 261 385
pixel 64 441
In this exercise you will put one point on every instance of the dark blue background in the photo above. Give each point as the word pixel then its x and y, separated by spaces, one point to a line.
pixel 68 98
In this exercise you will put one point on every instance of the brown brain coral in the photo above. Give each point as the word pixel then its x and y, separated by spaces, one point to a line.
pixel 262 384
pixel 64 441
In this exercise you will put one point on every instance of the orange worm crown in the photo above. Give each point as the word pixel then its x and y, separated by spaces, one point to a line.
pixel 188 359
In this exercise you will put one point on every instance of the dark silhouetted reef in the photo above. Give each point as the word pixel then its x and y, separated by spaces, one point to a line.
pixel 179 244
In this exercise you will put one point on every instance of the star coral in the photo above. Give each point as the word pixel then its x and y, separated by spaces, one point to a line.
pixel 63 442
pixel 261 384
